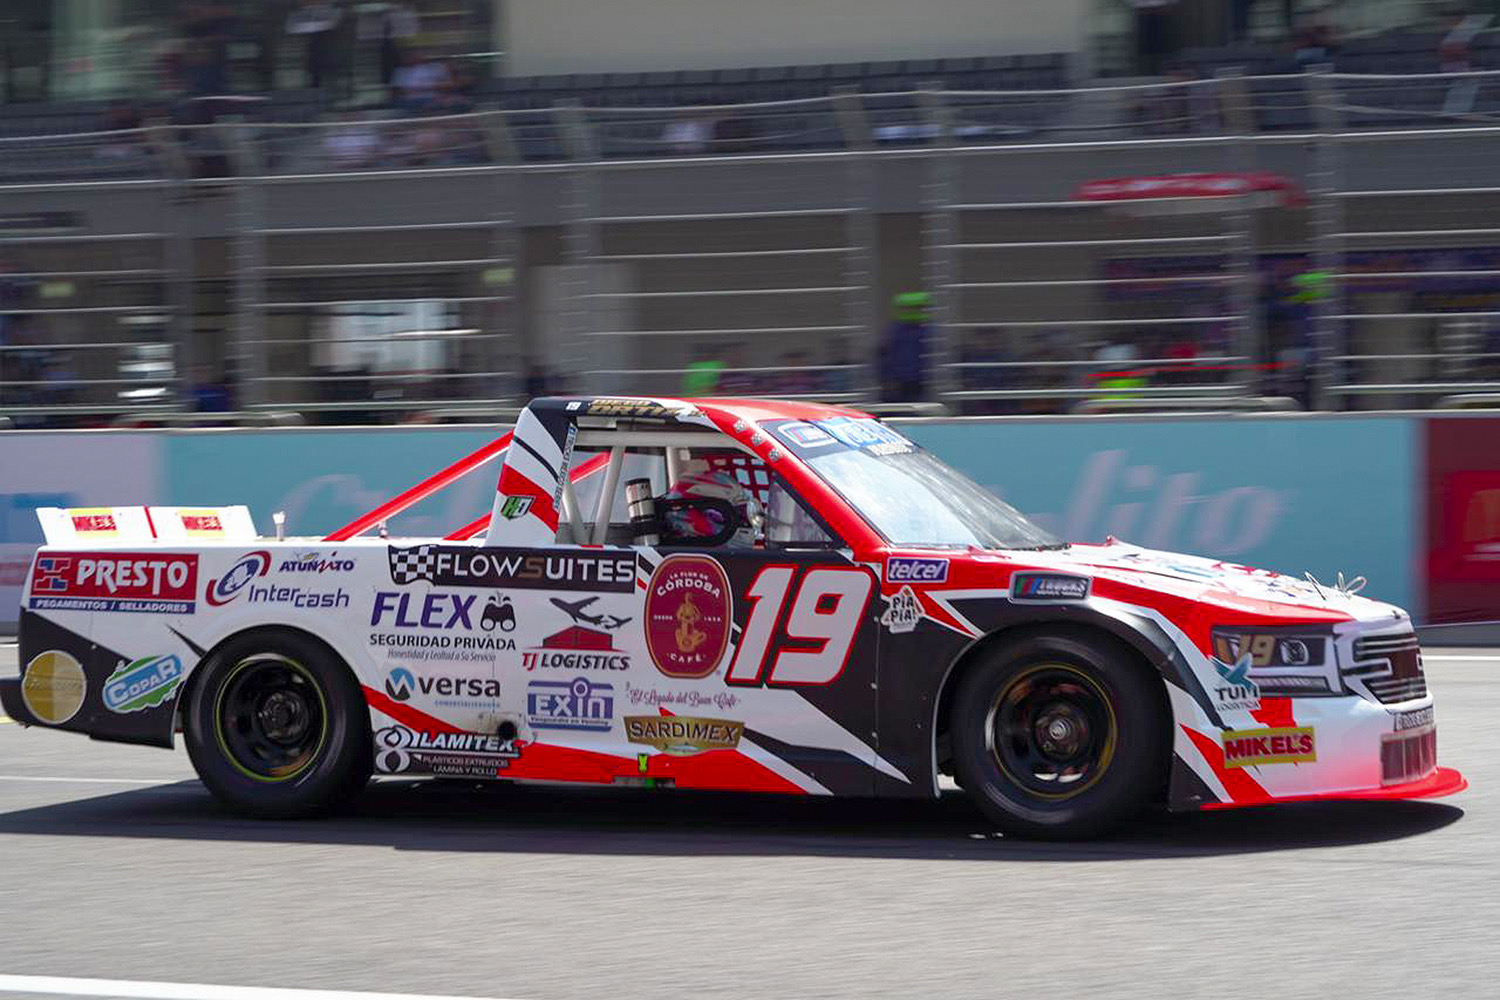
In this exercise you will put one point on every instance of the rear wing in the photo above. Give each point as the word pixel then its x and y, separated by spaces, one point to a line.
pixel 145 525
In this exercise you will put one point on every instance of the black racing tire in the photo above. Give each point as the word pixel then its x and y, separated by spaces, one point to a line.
pixel 1059 737
pixel 277 727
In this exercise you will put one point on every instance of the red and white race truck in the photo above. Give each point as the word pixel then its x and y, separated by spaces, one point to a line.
pixel 726 594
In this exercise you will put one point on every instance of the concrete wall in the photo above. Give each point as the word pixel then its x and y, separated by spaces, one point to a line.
pixel 579 36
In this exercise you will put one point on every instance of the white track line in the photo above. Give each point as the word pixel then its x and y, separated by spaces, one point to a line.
pixel 91 781
pixel 187 991
pixel 1428 654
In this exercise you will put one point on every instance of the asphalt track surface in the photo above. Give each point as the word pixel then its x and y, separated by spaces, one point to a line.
pixel 116 864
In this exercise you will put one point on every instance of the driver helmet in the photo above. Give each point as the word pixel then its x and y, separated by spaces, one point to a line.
pixel 699 481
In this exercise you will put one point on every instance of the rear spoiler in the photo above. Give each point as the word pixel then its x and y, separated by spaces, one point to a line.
pixel 145 525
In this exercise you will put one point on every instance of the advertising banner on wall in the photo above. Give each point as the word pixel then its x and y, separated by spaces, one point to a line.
pixel 1463 519
pixel 65 469
pixel 1291 494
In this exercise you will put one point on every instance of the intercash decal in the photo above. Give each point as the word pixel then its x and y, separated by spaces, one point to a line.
pixel 399 750
pixel 681 735
pixel 227 587
pixel 141 684
pixel 153 583
pixel 1048 587
pixel 242 576
pixel 688 615
pixel 1286 745
pixel 601 571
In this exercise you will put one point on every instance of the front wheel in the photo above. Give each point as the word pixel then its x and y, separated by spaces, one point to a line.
pixel 1058 737
pixel 276 726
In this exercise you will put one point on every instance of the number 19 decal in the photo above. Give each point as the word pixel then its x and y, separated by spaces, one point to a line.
pixel 818 625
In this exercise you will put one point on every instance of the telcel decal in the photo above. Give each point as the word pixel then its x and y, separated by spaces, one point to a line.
pixel 910 569
pixel 1285 745
pixel 141 684
pixel 681 735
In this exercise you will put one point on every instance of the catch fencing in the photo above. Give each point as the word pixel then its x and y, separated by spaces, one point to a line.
pixel 1313 241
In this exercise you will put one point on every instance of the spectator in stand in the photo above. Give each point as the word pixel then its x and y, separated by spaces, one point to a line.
pixel 207 29
pixel 315 21
pixel 903 354
pixel 421 83
pixel 352 144
pixel 689 134
pixel 390 25
pixel 794 380
pixel 1315 43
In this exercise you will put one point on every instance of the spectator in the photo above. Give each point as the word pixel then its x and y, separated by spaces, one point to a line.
pixel 1314 43
pixel 421 82
pixel 903 358
pixel 315 21
pixel 207 29
pixel 690 134
pixel 390 25
pixel 352 144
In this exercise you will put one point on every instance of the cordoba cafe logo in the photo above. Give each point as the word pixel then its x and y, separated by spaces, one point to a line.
pixel 688 614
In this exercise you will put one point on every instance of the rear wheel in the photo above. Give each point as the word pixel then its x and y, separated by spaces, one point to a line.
pixel 1058 737
pixel 276 726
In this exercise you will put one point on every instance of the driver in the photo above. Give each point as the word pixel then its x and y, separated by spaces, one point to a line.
pixel 698 481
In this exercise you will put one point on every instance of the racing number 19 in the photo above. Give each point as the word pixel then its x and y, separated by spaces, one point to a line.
pixel 817 634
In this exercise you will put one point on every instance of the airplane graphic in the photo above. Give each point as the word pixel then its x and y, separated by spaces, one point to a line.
pixel 575 611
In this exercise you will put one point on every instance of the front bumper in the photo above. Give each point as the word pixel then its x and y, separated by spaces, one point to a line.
pixel 1442 781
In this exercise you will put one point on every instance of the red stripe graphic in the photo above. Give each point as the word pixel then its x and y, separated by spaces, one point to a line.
pixel 1243 790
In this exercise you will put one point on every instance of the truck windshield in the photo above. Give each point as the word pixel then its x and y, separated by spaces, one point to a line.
pixel 908 495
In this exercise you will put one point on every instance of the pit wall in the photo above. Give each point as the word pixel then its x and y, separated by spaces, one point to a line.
pixel 1412 502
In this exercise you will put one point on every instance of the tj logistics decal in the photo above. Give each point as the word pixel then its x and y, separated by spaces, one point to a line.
pixel 141 684
pixel 159 583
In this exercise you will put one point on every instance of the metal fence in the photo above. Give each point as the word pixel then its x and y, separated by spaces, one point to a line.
pixel 1321 241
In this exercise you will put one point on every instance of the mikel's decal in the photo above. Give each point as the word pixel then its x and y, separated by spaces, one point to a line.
pixel 98 521
pixel 53 686
pixel 1285 745
pixel 157 583
pixel 141 684
pixel 689 611
pixel 399 749
pixel 579 704
pixel 903 612
pixel 512 508
pixel 681 735
pixel 1048 587
pixel 909 569
pixel 464 566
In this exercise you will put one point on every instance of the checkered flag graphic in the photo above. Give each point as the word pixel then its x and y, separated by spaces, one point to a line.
pixel 418 563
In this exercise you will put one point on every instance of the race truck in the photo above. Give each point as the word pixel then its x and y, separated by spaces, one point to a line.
pixel 721 594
